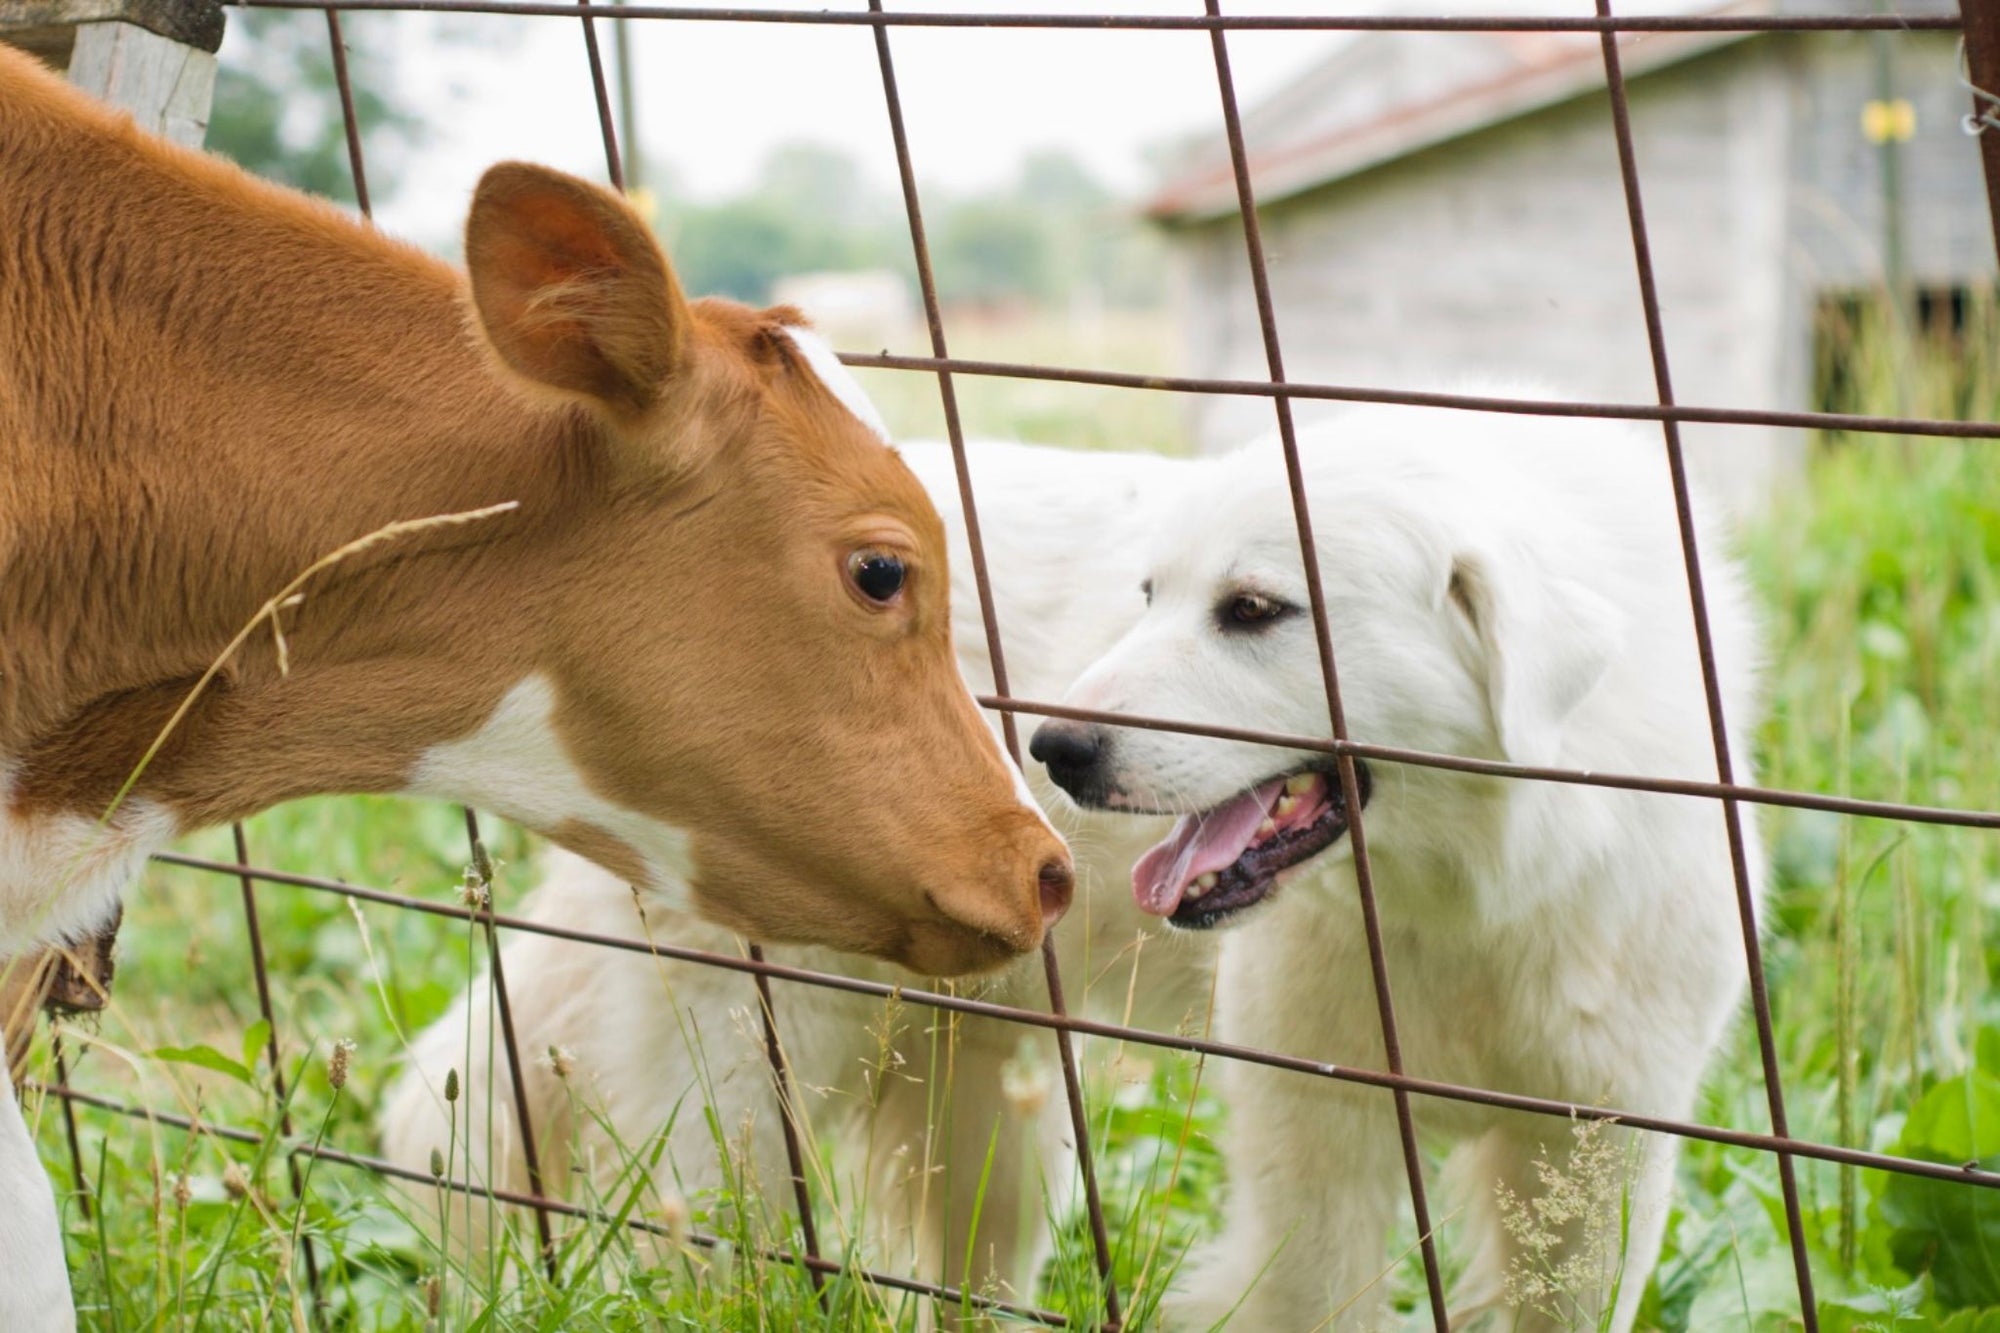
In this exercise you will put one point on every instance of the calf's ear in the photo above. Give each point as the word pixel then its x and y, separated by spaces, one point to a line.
pixel 1544 642
pixel 571 289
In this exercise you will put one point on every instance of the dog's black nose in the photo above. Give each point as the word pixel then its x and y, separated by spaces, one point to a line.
pixel 1072 751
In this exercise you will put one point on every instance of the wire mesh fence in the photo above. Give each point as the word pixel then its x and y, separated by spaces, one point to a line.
pixel 1981 37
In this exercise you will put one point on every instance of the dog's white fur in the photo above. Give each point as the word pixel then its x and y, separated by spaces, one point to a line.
pixel 34 1296
pixel 1505 588
pixel 647 1041
pixel 1556 940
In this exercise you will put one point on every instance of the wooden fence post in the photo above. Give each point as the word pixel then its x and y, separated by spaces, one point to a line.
pixel 154 58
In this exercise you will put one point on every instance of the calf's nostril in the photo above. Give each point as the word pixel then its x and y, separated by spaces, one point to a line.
pixel 1058 886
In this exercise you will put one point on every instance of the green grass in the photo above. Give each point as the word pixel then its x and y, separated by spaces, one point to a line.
pixel 1882 582
pixel 213 1256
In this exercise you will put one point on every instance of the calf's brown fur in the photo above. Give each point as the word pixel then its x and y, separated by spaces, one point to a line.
pixel 206 383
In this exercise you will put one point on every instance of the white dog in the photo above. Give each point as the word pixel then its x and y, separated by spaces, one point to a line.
pixel 1508 588
pixel 645 1043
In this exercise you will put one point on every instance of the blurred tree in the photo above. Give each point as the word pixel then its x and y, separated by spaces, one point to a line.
pixel 735 248
pixel 823 184
pixel 1055 233
pixel 1053 179
pixel 1101 249
pixel 277 106
pixel 996 247
pixel 810 210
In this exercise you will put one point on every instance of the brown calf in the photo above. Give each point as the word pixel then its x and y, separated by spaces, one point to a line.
pixel 683 650
pixel 707 644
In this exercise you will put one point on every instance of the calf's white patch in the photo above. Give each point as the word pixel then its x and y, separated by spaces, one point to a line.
pixel 61 875
pixel 838 380
pixel 515 765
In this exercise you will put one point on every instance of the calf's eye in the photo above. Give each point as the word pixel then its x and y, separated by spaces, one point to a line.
pixel 876 575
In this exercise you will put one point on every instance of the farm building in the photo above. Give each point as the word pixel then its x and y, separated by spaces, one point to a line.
pixel 1443 210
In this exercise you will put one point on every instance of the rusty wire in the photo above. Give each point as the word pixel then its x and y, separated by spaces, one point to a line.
pixel 878 18
pixel 790 1118
pixel 1982 63
pixel 1711 680
pixel 72 1097
pixel 1087 1027
pixel 1982 32
pixel 1350 784
pixel 348 119
pixel 1100 1235
pixel 255 933
pixel 1846 422
pixel 479 883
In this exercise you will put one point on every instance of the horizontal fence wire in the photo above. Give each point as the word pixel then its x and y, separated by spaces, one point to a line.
pixel 1114 22
pixel 1969 1173
pixel 1832 422
pixel 72 1097
pixel 1799 800
pixel 1066 1027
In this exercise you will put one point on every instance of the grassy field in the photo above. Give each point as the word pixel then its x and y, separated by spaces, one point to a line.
pixel 1880 581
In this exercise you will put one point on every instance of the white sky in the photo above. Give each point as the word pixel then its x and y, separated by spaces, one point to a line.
pixel 713 98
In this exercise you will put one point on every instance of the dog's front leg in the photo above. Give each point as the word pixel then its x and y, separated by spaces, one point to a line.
pixel 1315 1181
pixel 979 1161
pixel 34 1275
pixel 1563 1218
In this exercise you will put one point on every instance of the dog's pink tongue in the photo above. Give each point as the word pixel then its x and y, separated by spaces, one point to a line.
pixel 1199 844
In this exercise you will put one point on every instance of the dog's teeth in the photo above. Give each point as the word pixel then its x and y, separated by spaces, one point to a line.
pixel 1298 784
pixel 1267 828
pixel 1286 804
pixel 1201 885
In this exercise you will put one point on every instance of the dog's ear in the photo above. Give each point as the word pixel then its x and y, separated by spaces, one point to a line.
pixel 1544 642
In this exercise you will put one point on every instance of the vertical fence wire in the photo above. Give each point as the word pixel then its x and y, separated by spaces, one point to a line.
pixel 790 1111
pixel 790 1116
pixel 481 879
pixel 1100 1237
pixel 352 122
pixel 69 1127
pixel 613 164
pixel 261 974
pixel 1981 19
pixel 482 864
pixel 791 1122
pixel 1732 814
pixel 1350 787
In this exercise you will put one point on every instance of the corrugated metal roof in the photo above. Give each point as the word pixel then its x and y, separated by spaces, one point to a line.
pixel 1386 95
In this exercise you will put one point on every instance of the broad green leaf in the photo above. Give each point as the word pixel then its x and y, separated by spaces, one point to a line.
pixel 208 1058
pixel 1941 1227
pixel 1878 1310
pixel 254 1038
pixel 1958 1120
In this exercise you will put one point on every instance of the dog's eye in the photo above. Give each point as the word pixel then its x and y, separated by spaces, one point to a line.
pixel 1146 587
pixel 1250 610
pixel 876 575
